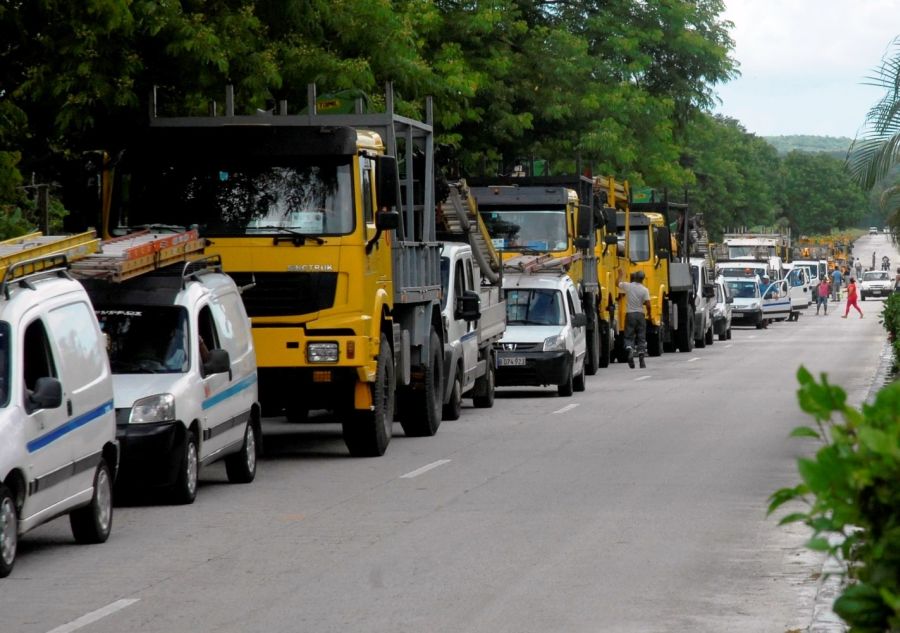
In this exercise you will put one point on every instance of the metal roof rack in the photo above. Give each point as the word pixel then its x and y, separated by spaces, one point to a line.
pixel 23 272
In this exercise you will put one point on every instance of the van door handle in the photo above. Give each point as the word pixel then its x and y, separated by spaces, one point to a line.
pixel 69 407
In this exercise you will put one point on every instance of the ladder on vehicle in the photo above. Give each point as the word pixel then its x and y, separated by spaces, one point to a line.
pixel 122 258
pixel 40 247
pixel 460 217
pixel 534 264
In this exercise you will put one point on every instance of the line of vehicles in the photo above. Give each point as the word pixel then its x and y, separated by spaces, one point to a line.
pixel 292 262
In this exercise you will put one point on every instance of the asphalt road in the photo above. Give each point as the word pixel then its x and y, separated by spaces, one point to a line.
pixel 638 505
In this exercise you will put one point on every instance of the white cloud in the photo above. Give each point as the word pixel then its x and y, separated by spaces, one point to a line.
pixel 803 63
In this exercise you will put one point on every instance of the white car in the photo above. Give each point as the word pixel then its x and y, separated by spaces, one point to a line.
pixel 58 450
pixel 876 283
pixel 184 375
pixel 747 305
pixel 544 342
pixel 873 230
pixel 722 310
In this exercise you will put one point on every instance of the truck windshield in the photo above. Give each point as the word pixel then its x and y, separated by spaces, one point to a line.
pixel 744 289
pixel 228 196
pixel 640 243
pixel 146 339
pixel 4 364
pixel 754 250
pixel 533 306
pixel 533 229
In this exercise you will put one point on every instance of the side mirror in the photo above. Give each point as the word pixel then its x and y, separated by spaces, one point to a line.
pixel 709 291
pixel 579 320
pixel 729 299
pixel 663 241
pixel 585 221
pixel 611 238
pixel 468 306
pixel 582 243
pixel 47 394
pixel 217 363
pixel 611 219
pixel 387 220
pixel 387 179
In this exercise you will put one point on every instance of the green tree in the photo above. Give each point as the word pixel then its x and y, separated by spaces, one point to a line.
pixel 818 194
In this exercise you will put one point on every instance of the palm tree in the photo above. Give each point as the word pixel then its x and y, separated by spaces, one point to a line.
pixel 876 156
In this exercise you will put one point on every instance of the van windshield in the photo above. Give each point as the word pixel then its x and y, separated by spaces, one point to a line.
pixel 533 306
pixel 744 289
pixel 4 364
pixel 146 339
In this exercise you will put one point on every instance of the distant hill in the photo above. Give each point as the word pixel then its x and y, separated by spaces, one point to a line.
pixel 836 146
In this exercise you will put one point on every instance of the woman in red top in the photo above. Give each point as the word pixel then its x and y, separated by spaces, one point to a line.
pixel 851 299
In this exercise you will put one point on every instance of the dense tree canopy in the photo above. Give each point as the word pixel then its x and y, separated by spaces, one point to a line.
pixel 621 86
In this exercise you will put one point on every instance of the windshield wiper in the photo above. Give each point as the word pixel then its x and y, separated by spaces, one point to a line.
pixel 290 235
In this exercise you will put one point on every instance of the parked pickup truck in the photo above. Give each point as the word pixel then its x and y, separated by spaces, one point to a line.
pixel 474 318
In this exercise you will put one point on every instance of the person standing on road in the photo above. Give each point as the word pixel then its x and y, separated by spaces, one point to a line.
pixel 858 266
pixel 851 299
pixel 823 290
pixel 836 284
pixel 873 260
pixel 637 300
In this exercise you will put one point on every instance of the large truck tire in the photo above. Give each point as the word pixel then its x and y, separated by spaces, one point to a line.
pixel 592 358
pixel 605 345
pixel 368 433
pixel 654 341
pixel 421 415
pixel 483 392
pixel 684 337
pixel 453 409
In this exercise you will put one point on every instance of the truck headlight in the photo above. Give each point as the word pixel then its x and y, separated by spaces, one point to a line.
pixel 158 408
pixel 553 343
pixel 322 352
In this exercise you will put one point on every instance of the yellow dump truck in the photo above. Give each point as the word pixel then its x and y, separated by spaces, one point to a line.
pixel 327 223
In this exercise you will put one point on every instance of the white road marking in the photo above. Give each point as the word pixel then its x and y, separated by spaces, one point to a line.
pixel 729 345
pixel 424 469
pixel 694 359
pixel 93 616
pixel 641 378
pixel 568 407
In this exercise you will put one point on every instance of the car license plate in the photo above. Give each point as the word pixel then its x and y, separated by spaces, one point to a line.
pixel 511 361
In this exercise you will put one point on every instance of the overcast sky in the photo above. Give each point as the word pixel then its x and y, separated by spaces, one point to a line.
pixel 802 63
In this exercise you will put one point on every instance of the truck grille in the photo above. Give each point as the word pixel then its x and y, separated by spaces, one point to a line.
pixel 286 294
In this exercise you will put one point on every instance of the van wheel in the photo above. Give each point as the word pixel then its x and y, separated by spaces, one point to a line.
pixel 710 336
pixel 724 335
pixel 9 531
pixel 185 489
pixel 579 382
pixel 368 433
pixel 760 322
pixel 453 408
pixel 728 334
pixel 592 343
pixel 241 466
pixel 423 417
pixel 565 389
pixel 93 522
pixel 485 386
pixel 654 341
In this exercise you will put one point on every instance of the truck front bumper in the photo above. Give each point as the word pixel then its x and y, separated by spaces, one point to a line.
pixel 532 368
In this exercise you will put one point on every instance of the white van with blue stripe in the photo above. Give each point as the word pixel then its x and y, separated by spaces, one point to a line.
pixel 58 449
pixel 184 376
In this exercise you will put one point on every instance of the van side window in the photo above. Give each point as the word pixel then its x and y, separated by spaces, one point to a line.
pixel 37 359
pixel 459 281
pixel 206 329
pixel 83 358
pixel 234 337
pixel 572 304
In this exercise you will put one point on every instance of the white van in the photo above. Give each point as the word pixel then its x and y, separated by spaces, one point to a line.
pixel 58 450
pixel 184 375
pixel 544 342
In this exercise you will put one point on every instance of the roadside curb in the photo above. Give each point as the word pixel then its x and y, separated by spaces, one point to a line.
pixel 830 582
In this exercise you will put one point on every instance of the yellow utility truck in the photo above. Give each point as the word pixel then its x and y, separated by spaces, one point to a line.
pixel 646 244
pixel 558 216
pixel 327 223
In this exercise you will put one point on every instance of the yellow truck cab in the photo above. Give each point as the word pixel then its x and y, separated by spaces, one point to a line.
pixel 334 250
pixel 558 217
pixel 644 235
